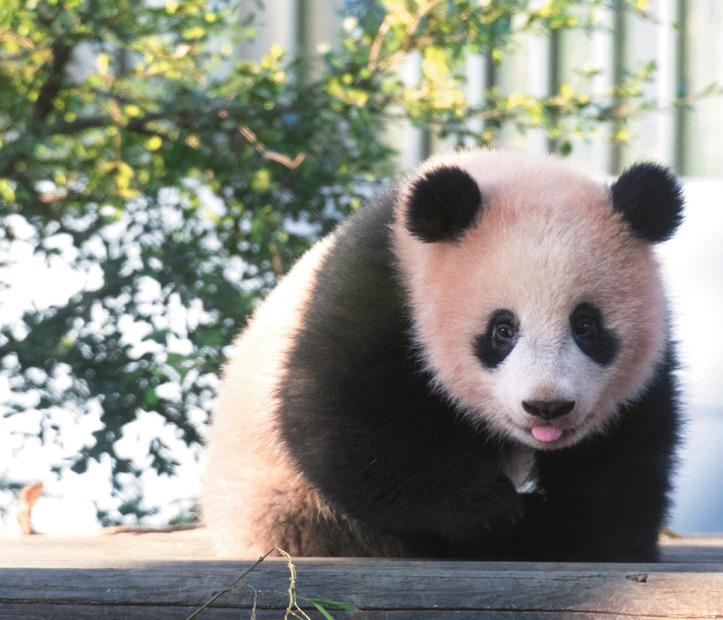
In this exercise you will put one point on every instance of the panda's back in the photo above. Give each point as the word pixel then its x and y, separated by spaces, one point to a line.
pixel 341 296
pixel 245 470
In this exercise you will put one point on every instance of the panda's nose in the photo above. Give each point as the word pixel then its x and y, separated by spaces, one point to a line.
pixel 548 409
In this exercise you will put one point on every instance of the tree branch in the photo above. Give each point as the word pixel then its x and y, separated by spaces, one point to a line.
pixel 50 89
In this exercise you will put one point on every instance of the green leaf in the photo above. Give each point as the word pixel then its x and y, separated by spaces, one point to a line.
pixel 321 604
pixel 195 32
pixel 154 143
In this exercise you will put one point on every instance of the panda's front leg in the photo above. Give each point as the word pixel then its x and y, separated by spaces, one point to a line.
pixel 417 488
pixel 457 497
pixel 390 453
pixel 601 503
pixel 605 498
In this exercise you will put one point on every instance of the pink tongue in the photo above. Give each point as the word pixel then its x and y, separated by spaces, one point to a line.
pixel 546 433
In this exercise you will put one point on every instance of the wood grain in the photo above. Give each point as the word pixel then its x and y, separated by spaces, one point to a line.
pixel 169 575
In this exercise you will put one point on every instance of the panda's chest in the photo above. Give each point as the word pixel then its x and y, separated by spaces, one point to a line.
pixel 518 464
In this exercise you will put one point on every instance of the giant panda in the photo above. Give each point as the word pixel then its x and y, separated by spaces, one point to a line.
pixel 477 364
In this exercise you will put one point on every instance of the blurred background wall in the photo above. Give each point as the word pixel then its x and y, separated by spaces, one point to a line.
pixel 682 37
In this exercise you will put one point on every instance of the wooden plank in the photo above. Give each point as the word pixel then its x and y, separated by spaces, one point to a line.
pixel 24 611
pixel 375 585
pixel 170 575
pixel 80 612
pixel 704 548
pixel 642 590
pixel 129 549
pixel 126 549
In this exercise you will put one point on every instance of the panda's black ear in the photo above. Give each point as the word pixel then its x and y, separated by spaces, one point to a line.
pixel 442 204
pixel 651 201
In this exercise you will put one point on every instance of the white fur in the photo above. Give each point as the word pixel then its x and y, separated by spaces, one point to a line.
pixel 249 478
pixel 518 464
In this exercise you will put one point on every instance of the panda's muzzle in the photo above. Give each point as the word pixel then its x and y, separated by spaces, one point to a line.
pixel 548 409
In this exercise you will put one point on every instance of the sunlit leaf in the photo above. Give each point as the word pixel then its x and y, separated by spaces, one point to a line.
pixel 101 63
pixel 154 143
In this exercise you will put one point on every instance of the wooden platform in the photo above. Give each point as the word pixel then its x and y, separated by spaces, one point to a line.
pixel 170 575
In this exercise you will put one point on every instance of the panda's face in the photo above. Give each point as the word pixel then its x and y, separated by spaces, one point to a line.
pixel 547 372
pixel 545 315
pixel 540 325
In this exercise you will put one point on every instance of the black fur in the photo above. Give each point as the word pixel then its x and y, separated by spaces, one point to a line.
pixel 612 488
pixel 651 201
pixel 591 335
pixel 443 204
pixel 496 344
pixel 361 421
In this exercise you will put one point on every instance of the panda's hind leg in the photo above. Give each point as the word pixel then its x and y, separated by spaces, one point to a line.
pixel 304 525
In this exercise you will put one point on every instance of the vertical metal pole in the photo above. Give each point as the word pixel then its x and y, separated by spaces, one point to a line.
pixel 475 69
pixel 666 80
pixel 553 78
pixel 619 57
pixel 602 58
pixel 681 80
pixel 413 138
pixel 540 79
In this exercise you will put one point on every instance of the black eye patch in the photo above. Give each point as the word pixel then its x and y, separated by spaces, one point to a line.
pixel 591 335
pixel 499 339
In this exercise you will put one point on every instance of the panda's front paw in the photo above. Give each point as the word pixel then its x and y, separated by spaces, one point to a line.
pixel 490 505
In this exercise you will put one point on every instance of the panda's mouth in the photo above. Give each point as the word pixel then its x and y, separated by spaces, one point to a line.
pixel 539 433
pixel 546 434
pixel 551 435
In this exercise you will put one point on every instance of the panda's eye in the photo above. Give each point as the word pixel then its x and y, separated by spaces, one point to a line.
pixel 505 332
pixel 585 328
pixel 591 334
pixel 498 340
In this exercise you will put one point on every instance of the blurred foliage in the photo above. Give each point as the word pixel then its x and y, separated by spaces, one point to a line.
pixel 180 182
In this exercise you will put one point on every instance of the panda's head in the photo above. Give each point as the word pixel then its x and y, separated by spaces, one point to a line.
pixel 535 294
